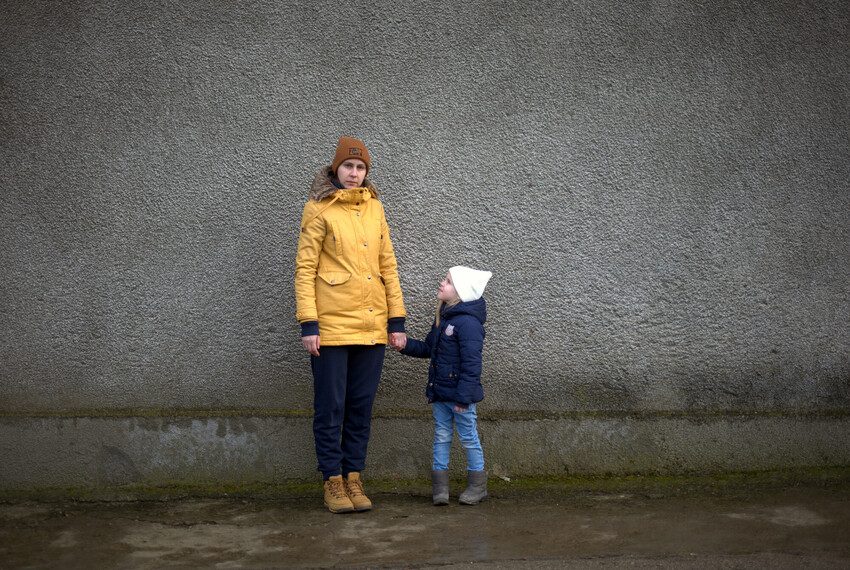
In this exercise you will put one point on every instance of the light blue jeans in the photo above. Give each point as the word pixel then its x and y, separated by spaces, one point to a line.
pixel 467 428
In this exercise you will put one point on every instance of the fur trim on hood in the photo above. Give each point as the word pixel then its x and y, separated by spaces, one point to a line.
pixel 322 187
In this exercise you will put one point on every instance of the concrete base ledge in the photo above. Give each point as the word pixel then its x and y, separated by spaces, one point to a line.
pixel 44 452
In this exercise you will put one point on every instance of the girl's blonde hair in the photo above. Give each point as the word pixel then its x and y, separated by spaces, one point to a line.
pixel 440 304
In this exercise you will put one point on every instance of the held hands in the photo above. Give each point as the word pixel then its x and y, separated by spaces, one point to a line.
pixel 312 342
pixel 398 340
pixel 461 409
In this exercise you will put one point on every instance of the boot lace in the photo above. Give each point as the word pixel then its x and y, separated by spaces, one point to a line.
pixel 337 489
pixel 355 488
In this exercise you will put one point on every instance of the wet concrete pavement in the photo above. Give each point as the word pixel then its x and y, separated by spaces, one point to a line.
pixel 798 527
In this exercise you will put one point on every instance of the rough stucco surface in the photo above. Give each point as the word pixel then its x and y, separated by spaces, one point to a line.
pixel 660 188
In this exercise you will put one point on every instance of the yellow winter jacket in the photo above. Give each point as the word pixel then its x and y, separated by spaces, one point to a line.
pixel 346 276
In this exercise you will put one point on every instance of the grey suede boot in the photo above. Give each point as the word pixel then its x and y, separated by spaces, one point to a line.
pixel 476 488
pixel 440 487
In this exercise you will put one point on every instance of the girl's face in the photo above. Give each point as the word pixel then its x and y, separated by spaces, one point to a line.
pixel 351 173
pixel 446 292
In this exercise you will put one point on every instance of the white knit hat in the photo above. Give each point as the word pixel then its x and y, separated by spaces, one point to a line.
pixel 469 283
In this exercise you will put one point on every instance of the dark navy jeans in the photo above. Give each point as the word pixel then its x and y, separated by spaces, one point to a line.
pixel 345 380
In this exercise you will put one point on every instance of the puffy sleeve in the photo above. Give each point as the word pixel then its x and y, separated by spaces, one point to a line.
pixel 418 348
pixel 307 261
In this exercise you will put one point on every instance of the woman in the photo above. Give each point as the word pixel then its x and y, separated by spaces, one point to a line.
pixel 349 304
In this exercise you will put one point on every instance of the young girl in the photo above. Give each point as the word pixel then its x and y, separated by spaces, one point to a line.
pixel 454 378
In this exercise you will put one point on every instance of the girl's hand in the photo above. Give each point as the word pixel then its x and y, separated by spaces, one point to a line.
pixel 460 409
pixel 398 340
pixel 311 343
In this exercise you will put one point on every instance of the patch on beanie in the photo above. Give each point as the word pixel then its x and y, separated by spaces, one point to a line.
pixel 354 151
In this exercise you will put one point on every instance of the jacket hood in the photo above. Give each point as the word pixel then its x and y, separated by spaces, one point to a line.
pixel 477 309
pixel 323 186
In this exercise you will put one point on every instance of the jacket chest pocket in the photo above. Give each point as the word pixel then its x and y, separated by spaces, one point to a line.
pixel 337 238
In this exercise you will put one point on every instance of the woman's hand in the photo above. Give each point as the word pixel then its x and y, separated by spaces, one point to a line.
pixel 311 343
pixel 461 409
pixel 398 340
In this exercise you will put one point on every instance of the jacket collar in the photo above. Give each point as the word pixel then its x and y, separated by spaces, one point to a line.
pixel 323 187
pixel 477 309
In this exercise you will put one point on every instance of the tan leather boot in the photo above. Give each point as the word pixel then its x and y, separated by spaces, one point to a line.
pixel 354 488
pixel 336 499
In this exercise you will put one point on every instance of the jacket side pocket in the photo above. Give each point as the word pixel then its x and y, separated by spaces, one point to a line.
pixel 334 277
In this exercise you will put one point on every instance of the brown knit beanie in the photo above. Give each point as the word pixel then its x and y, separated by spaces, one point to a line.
pixel 350 147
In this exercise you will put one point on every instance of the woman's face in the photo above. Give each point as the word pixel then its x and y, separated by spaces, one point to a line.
pixel 446 292
pixel 351 173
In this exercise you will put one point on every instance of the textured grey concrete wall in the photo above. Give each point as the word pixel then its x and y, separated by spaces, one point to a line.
pixel 660 188
pixel 202 451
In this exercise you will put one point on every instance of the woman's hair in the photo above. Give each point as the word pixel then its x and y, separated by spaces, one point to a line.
pixel 440 304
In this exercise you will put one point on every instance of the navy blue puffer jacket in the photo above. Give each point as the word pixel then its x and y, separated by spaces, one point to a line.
pixel 455 352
